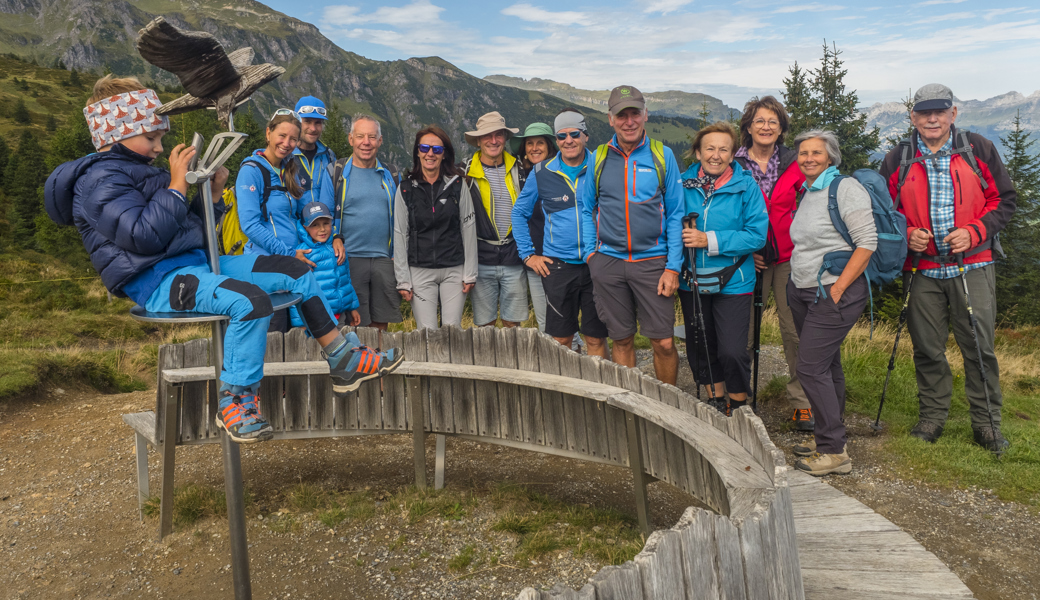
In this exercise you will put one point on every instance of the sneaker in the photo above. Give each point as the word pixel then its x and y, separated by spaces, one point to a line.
pixel 928 432
pixel 361 364
pixel 825 464
pixel 240 417
pixel 803 420
pixel 991 439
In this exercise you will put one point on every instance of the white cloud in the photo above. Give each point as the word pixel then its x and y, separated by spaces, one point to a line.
pixel 957 16
pixel 534 14
pixel 665 6
pixel 814 7
pixel 937 2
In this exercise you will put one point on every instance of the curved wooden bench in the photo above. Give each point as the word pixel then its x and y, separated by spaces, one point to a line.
pixel 519 388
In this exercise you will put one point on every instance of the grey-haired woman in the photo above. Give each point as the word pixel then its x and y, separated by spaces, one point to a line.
pixel 826 306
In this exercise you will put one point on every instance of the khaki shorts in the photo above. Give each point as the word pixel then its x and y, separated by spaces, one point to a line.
pixel 622 288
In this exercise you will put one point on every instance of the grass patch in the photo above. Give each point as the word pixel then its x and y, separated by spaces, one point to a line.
pixel 191 504
pixel 463 559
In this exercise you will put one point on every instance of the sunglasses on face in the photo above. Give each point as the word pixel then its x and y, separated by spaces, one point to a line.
pixel 306 110
pixel 563 135
pixel 424 148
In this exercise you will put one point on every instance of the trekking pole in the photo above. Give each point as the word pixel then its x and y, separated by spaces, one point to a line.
pixel 876 426
pixel 978 347
pixel 758 340
pixel 689 222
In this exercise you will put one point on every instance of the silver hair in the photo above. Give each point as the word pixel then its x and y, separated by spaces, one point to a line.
pixel 830 142
pixel 364 117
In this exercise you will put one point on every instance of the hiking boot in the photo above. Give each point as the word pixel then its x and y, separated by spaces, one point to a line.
pixel 824 464
pixel 240 417
pixel 733 406
pixel 803 420
pixel 718 404
pixel 361 364
pixel 991 439
pixel 809 448
pixel 928 432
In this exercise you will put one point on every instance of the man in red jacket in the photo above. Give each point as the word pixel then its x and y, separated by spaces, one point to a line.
pixel 956 195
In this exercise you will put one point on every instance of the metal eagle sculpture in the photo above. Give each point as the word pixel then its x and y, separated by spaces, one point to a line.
pixel 212 77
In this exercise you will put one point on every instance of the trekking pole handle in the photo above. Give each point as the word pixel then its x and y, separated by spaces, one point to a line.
pixel 690 221
pixel 959 255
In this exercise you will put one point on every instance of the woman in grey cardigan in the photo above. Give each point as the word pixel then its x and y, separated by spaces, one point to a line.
pixel 435 238
pixel 826 306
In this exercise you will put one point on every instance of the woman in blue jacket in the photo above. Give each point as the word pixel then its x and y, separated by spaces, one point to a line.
pixel 732 224
pixel 268 192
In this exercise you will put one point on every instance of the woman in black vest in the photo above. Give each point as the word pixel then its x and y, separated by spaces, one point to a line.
pixel 434 233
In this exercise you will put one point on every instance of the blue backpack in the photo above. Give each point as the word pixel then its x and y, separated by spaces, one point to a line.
pixel 886 263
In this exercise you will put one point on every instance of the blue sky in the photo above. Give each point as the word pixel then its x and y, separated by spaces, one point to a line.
pixel 731 50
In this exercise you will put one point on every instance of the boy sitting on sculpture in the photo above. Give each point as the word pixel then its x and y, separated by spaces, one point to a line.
pixel 147 241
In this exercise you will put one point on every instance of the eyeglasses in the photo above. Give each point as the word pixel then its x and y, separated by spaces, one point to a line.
pixel 563 134
pixel 281 112
pixel 306 110
pixel 424 148
pixel 763 123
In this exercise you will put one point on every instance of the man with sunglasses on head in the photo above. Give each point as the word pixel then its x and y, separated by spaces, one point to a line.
pixel 311 155
pixel 361 190
pixel 495 179
pixel 559 183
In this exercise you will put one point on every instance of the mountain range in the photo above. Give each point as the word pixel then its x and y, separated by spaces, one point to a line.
pixel 405 95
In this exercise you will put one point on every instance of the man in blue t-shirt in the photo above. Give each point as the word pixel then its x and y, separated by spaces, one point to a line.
pixel 363 227
pixel 558 183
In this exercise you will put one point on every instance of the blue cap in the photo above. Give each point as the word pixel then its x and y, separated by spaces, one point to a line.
pixel 312 103
pixel 314 211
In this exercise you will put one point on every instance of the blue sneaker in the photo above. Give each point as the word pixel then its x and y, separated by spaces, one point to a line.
pixel 240 418
pixel 361 364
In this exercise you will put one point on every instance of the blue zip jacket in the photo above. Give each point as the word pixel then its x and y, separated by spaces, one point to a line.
pixel 736 221
pixel 333 279
pixel 561 205
pixel 627 218
pixel 129 219
pixel 336 204
pixel 276 235
pixel 309 174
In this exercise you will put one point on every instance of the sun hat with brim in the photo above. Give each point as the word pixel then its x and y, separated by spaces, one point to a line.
pixel 533 130
pixel 489 123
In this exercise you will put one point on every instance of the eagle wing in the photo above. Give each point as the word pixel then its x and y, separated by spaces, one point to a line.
pixel 196 58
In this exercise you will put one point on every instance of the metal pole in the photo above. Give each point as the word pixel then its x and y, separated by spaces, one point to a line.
pixel 232 455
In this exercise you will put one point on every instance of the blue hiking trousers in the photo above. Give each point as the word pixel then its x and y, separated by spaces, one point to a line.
pixel 242 291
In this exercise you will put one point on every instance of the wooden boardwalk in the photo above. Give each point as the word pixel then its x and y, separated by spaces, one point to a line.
pixel 848 551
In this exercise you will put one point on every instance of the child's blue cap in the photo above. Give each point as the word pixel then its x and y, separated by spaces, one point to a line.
pixel 314 211
pixel 310 107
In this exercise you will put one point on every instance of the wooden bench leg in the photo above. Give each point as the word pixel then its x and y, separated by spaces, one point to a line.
pixel 169 447
pixel 438 473
pixel 414 387
pixel 141 451
pixel 635 460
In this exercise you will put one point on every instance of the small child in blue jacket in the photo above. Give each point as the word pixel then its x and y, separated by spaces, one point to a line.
pixel 147 240
pixel 315 232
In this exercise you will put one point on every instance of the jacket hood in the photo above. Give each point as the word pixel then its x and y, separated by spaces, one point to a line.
pixel 61 184
pixel 556 163
pixel 306 239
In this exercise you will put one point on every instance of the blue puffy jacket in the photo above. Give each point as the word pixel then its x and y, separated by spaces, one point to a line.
pixel 736 222
pixel 333 279
pixel 126 214
pixel 276 234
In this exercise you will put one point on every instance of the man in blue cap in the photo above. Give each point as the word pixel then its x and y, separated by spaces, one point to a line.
pixel 312 155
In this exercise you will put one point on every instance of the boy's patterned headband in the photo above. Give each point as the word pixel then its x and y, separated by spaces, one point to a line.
pixel 125 115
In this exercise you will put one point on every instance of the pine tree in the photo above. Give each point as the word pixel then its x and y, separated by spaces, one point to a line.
pixel 74 79
pixel 836 110
pixel 798 101
pixel 908 102
pixel 1018 276
pixel 704 114
pixel 5 155
pixel 25 173
pixel 21 113
pixel 52 123
pixel 335 135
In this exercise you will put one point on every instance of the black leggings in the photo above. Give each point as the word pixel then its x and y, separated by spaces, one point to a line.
pixel 726 321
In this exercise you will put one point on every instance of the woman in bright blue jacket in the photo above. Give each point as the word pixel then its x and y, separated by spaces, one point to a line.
pixel 732 223
pixel 315 232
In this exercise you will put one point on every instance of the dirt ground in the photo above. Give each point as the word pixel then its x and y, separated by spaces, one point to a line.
pixel 69 525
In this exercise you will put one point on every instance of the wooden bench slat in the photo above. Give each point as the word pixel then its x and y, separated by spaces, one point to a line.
pixel 143 423
pixel 272 386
